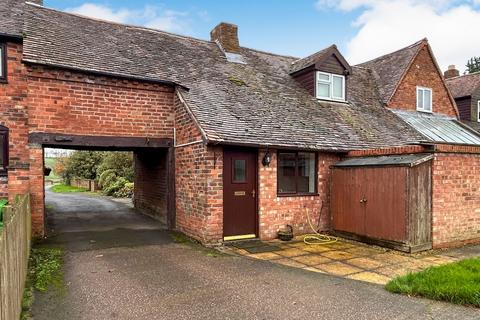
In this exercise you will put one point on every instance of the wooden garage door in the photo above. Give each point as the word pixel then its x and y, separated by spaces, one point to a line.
pixel 370 202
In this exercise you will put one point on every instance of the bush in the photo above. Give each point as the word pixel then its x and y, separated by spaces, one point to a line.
pixel 126 191
pixel 107 178
pixel 84 164
pixel 111 188
pixel 120 162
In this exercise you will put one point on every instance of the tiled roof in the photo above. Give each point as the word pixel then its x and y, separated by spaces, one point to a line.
pixel 11 20
pixel 391 67
pixel 464 86
pixel 303 63
pixel 257 103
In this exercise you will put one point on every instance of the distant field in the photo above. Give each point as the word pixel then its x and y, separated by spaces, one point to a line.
pixel 50 162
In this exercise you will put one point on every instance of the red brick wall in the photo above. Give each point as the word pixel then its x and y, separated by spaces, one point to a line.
pixel 75 103
pixel 456 199
pixel 424 73
pixel 151 188
pixel 275 212
pixel 199 182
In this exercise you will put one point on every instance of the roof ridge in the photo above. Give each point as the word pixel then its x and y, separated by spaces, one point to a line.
pixel 126 25
pixel 269 52
pixel 312 54
pixel 396 51
pixel 476 73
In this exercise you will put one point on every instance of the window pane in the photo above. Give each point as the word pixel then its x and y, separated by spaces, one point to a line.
pixel 427 100
pixel 324 77
pixel 2 150
pixel 286 173
pixel 306 172
pixel 338 87
pixel 419 99
pixel 323 90
pixel 239 171
pixel 1 61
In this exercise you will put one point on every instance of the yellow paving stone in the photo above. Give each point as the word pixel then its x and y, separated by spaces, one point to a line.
pixel 314 248
pixel 392 258
pixel 369 277
pixel 312 259
pixel 339 245
pixel 338 255
pixel 313 269
pixel 392 271
pixel 290 263
pixel 292 252
pixel 265 256
pixel 298 244
pixel 365 263
pixel 338 268
pixel 363 251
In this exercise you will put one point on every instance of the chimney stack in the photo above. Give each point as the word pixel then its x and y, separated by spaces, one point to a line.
pixel 226 35
pixel 451 72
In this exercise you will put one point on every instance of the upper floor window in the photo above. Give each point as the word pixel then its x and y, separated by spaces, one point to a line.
pixel 478 110
pixel 330 86
pixel 3 150
pixel 424 99
pixel 3 62
pixel 296 173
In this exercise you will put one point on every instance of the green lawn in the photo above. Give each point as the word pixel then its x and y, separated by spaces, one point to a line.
pixel 457 282
pixel 61 188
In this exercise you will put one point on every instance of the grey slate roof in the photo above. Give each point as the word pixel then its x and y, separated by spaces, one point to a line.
pixel 257 103
pixel 391 67
pixel 408 160
pixel 439 128
pixel 464 86
pixel 11 20
pixel 303 63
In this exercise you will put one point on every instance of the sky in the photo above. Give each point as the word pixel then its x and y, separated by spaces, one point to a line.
pixel 362 29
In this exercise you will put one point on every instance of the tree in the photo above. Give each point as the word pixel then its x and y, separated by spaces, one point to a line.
pixel 120 162
pixel 473 65
pixel 84 164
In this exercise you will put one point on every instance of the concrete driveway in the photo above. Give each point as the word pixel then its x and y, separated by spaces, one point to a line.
pixel 120 265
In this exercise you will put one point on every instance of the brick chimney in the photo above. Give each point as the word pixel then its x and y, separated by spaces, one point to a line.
pixel 226 35
pixel 451 72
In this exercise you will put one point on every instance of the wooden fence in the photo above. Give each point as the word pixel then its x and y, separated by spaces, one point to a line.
pixel 15 241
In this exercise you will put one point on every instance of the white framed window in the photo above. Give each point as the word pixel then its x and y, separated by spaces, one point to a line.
pixel 424 99
pixel 3 62
pixel 478 111
pixel 330 86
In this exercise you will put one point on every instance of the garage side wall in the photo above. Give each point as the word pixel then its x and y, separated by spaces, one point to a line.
pixel 456 199
pixel 198 181
pixel 275 212
pixel 151 187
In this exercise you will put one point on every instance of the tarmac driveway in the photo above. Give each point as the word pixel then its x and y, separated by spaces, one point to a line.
pixel 134 270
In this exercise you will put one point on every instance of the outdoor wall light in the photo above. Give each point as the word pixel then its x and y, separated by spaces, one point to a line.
pixel 267 159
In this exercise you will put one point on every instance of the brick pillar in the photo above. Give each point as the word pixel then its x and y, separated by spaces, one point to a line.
pixel 37 190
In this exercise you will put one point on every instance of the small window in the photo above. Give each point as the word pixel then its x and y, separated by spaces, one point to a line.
pixel 297 173
pixel 3 150
pixel 239 171
pixel 478 110
pixel 330 86
pixel 3 62
pixel 424 99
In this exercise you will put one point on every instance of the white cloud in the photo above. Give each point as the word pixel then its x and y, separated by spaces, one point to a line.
pixel 149 16
pixel 385 26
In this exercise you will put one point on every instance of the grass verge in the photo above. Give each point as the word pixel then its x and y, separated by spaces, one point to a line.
pixel 62 188
pixel 45 271
pixel 457 282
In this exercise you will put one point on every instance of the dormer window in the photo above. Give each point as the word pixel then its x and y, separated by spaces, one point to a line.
pixel 424 99
pixel 330 86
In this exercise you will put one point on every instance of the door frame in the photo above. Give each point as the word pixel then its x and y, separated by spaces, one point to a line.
pixel 256 183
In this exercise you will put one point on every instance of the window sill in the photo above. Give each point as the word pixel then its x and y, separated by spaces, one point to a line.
pixel 424 111
pixel 287 195
pixel 331 100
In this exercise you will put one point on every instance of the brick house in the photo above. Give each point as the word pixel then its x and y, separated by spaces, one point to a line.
pixel 466 91
pixel 232 142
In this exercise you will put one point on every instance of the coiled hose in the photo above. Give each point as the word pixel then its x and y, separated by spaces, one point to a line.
pixel 316 237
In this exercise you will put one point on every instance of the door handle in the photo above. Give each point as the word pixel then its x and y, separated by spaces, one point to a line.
pixel 253 193
pixel 363 200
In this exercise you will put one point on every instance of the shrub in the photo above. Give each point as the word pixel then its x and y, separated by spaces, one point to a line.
pixel 114 186
pixel 126 191
pixel 121 162
pixel 107 177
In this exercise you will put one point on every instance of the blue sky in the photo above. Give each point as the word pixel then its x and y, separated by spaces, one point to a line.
pixel 363 29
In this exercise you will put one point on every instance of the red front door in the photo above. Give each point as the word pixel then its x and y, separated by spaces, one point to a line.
pixel 240 193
